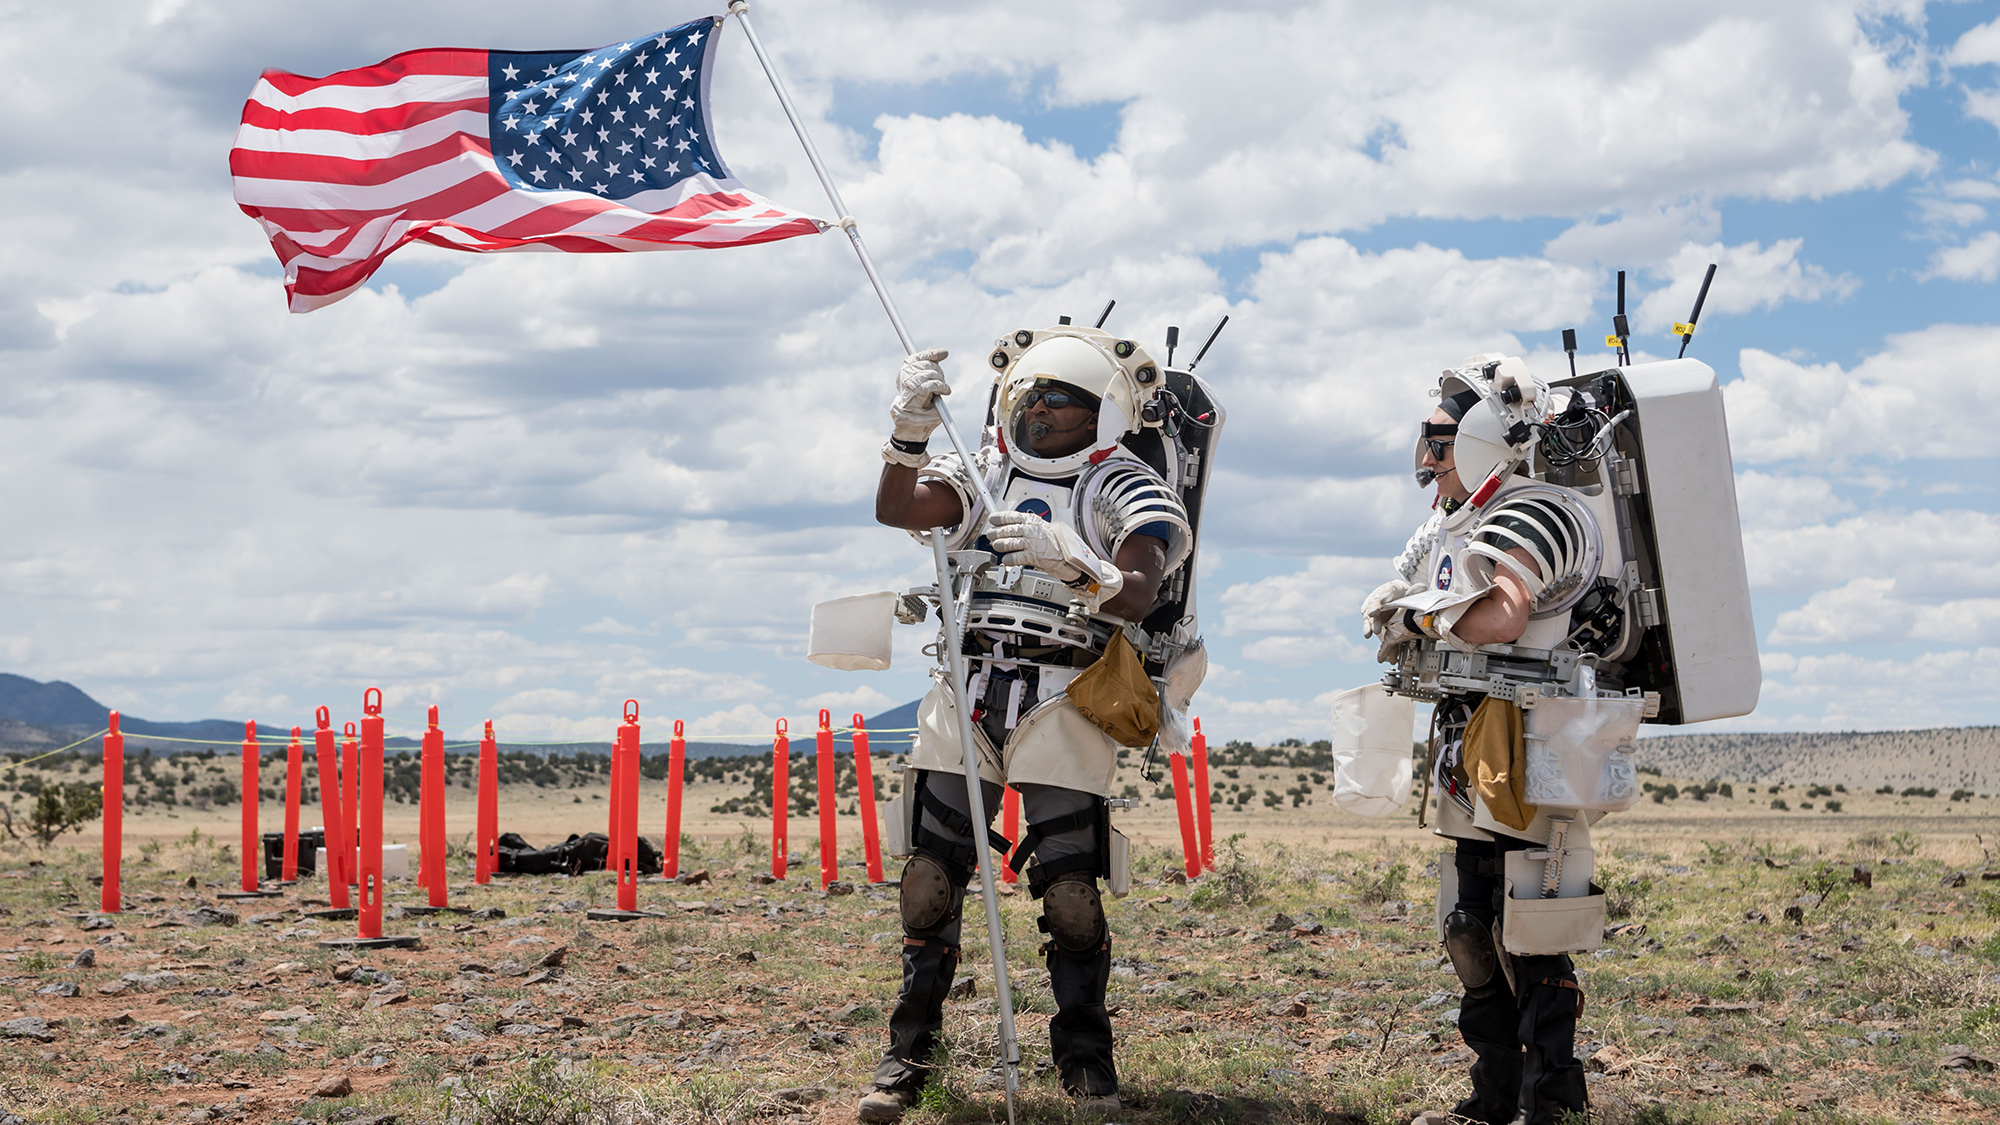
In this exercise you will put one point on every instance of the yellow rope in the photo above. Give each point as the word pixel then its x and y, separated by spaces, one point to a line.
pixel 71 746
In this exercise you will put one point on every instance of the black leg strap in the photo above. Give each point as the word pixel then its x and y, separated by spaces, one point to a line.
pixel 1086 818
pixel 957 822
pixel 1042 876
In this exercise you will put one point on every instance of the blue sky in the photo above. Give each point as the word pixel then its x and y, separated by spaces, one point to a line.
pixel 529 486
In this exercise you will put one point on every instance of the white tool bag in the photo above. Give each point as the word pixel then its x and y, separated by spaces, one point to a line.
pixel 1580 752
pixel 1372 745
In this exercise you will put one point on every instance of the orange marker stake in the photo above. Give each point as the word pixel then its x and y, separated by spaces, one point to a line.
pixel 670 857
pixel 430 807
pixel 1184 805
pixel 829 844
pixel 369 872
pixel 332 812
pixel 486 858
pixel 864 775
pixel 295 768
pixel 251 843
pixel 108 901
pixel 781 810
pixel 625 804
pixel 1010 814
pixel 1204 813
pixel 350 773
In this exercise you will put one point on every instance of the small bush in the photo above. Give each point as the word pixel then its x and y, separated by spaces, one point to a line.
pixel 1385 886
pixel 63 807
pixel 1779 804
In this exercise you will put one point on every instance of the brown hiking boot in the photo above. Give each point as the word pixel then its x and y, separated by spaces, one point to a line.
pixel 1103 1105
pixel 884 1105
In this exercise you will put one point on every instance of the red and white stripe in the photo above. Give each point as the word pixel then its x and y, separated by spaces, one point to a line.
pixel 341 171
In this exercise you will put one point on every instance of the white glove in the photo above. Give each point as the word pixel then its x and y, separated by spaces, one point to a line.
pixel 1394 629
pixel 914 413
pixel 1025 539
pixel 1376 611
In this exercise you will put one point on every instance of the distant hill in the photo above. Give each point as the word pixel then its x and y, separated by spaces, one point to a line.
pixel 38 717
pixel 1946 757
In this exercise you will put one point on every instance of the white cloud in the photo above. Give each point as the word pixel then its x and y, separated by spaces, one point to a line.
pixel 610 626
pixel 1977 47
pixel 1868 610
pixel 1977 260
pixel 1749 277
pixel 1852 691
pixel 1926 394
pixel 1640 237
pixel 1769 500
pixel 1931 554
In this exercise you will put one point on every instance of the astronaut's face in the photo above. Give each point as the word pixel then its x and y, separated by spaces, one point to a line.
pixel 1056 431
pixel 1445 467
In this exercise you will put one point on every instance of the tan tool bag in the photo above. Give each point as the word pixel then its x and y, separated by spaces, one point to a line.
pixel 1116 695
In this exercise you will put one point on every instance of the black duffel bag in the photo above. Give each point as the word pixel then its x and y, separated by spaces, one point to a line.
pixel 574 856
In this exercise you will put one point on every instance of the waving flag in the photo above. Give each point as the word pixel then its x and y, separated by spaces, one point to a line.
pixel 583 152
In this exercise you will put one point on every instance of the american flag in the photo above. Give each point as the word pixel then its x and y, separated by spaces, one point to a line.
pixel 579 151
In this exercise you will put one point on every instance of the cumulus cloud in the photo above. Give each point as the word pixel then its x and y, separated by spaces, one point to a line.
pixel 1853 691
pixel 1926 394
pixel 1977 260
pixel 1750 276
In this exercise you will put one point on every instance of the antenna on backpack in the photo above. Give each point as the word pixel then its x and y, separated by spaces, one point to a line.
pixel 1173 341
pixel 1569 345
pixel 1686 331
pixel 1220 325
pixel 1106 314
pixel 1620 333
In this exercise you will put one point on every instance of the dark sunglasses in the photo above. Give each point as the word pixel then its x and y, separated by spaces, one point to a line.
pixel 1434 430
pixel 1055 400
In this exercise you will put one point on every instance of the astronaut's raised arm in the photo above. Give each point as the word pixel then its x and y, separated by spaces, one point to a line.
pixel 905 501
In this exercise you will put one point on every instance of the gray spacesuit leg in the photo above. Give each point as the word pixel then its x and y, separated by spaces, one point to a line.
pixel 1068 857
pixel 932 900
pixel 1525 1035
pixel 1488 1016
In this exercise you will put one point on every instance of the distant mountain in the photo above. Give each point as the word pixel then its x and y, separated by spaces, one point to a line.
pixel 52 704
pixel 64 705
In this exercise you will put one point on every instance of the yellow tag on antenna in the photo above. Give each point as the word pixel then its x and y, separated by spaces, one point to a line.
pixel 1683 329
pixel 1611 341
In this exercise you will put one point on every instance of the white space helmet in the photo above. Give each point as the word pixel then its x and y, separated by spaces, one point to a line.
pixel 1116 371
pixel 1495 427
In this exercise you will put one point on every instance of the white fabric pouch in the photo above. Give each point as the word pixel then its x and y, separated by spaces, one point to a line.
pixel 1580 752
pixel 1372 750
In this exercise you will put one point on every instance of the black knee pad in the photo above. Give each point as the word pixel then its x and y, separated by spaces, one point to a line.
pixel 1469 943
pixel 1073 914
pixel 930 898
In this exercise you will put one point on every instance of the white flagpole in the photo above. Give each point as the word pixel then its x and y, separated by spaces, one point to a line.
pixel 1010 1051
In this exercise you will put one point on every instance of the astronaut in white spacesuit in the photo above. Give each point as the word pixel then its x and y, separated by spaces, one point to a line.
pixel 1521 1025
pixel 1089 536
pixel 1581 573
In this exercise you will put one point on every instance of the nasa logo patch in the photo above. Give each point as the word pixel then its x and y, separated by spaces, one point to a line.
pixel 1036 507
pixel 1444 574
